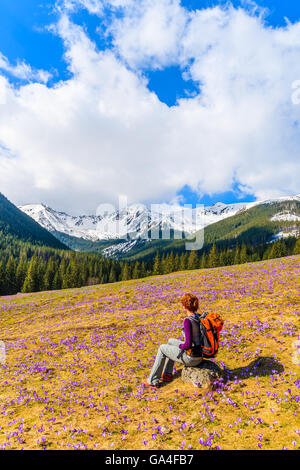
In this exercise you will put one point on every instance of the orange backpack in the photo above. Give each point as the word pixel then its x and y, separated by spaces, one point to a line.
pixel 210 326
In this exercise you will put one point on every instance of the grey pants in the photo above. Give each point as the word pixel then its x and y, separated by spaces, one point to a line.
pixel 167 354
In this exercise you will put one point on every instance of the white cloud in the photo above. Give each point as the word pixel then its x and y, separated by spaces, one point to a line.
pixel 103 133
pixel 93 6
pixel 150 32
pixel 23 71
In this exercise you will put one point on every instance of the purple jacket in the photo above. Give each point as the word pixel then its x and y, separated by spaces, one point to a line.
pixel 188 335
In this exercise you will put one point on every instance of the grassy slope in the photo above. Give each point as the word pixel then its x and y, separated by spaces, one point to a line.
pixel 21 227
pixel 75 360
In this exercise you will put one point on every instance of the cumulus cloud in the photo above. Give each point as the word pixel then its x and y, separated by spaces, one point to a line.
pixel 93 6
pixel 102 132
pixel 150 33
pixel 23 71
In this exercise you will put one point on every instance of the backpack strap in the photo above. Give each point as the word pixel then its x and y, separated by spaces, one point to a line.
pixel 196 350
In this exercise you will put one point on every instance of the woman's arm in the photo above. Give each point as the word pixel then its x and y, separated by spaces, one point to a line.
pixel 188 335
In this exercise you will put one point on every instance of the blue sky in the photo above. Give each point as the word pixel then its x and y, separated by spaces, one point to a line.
pixel 278 9
pixel 24 37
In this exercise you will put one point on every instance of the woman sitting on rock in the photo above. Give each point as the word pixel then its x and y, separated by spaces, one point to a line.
pixel 188 353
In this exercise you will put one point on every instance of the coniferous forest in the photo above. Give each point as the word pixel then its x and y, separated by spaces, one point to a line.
pixel 25 267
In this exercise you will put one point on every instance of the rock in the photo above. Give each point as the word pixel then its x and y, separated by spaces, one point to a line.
pixel 207 375
pixel 165 429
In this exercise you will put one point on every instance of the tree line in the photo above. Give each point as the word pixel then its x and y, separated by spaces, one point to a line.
pixel 27 268
pixel 217 256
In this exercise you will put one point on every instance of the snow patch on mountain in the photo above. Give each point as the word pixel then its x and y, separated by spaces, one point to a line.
pixel 286 215
pixel 123 248
pixel 285 234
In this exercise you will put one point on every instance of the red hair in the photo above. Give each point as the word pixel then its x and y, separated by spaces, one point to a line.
pixel 190 302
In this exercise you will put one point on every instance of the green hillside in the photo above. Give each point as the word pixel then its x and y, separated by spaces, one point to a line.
pixel 19 226
pixel 80 244
pixel 251 227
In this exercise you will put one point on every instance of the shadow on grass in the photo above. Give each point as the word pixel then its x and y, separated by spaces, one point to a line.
pixel 214 376
pixel 260 367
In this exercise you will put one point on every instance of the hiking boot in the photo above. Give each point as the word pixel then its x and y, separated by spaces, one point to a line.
pixel 167 377
pixel 154 386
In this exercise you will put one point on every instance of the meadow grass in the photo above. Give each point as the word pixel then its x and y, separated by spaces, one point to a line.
pixel 75 360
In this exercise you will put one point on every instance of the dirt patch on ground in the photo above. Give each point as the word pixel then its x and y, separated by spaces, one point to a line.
pixel 15 296
pixel 19 295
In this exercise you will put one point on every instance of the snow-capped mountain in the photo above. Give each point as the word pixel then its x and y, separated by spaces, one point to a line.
pixel 137 220
pixel 55 221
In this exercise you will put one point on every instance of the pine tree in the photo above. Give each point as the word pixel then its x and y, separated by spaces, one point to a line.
pixel 31 283
pixel 136 270
pixel 82 278
pixel 49 275
pixel 228 256
pixel 3 290
pixel 62 270
pixel 171 262
pixel 167 264
pixel 41 269
pixel 76 273
pixel 125 274
pixel 11 281
pixel 213 257
pixel 176 262
pixel 112 274
pixel 57 281
pixel 297 247
pixel 193 260
pixel 223 258
pixel 236 257
pixel 203 261
pixel 67 278
pixel 243 254
pixel 103 274
pixel 183 261
pixel 143 272
pixel 278 250
pixel 266 254
pixel 163 269
pixel 255 257
pixel 156 265
pixel 21 273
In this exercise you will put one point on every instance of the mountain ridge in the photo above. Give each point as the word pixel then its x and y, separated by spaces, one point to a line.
pixel 90 227
pixel 99 233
